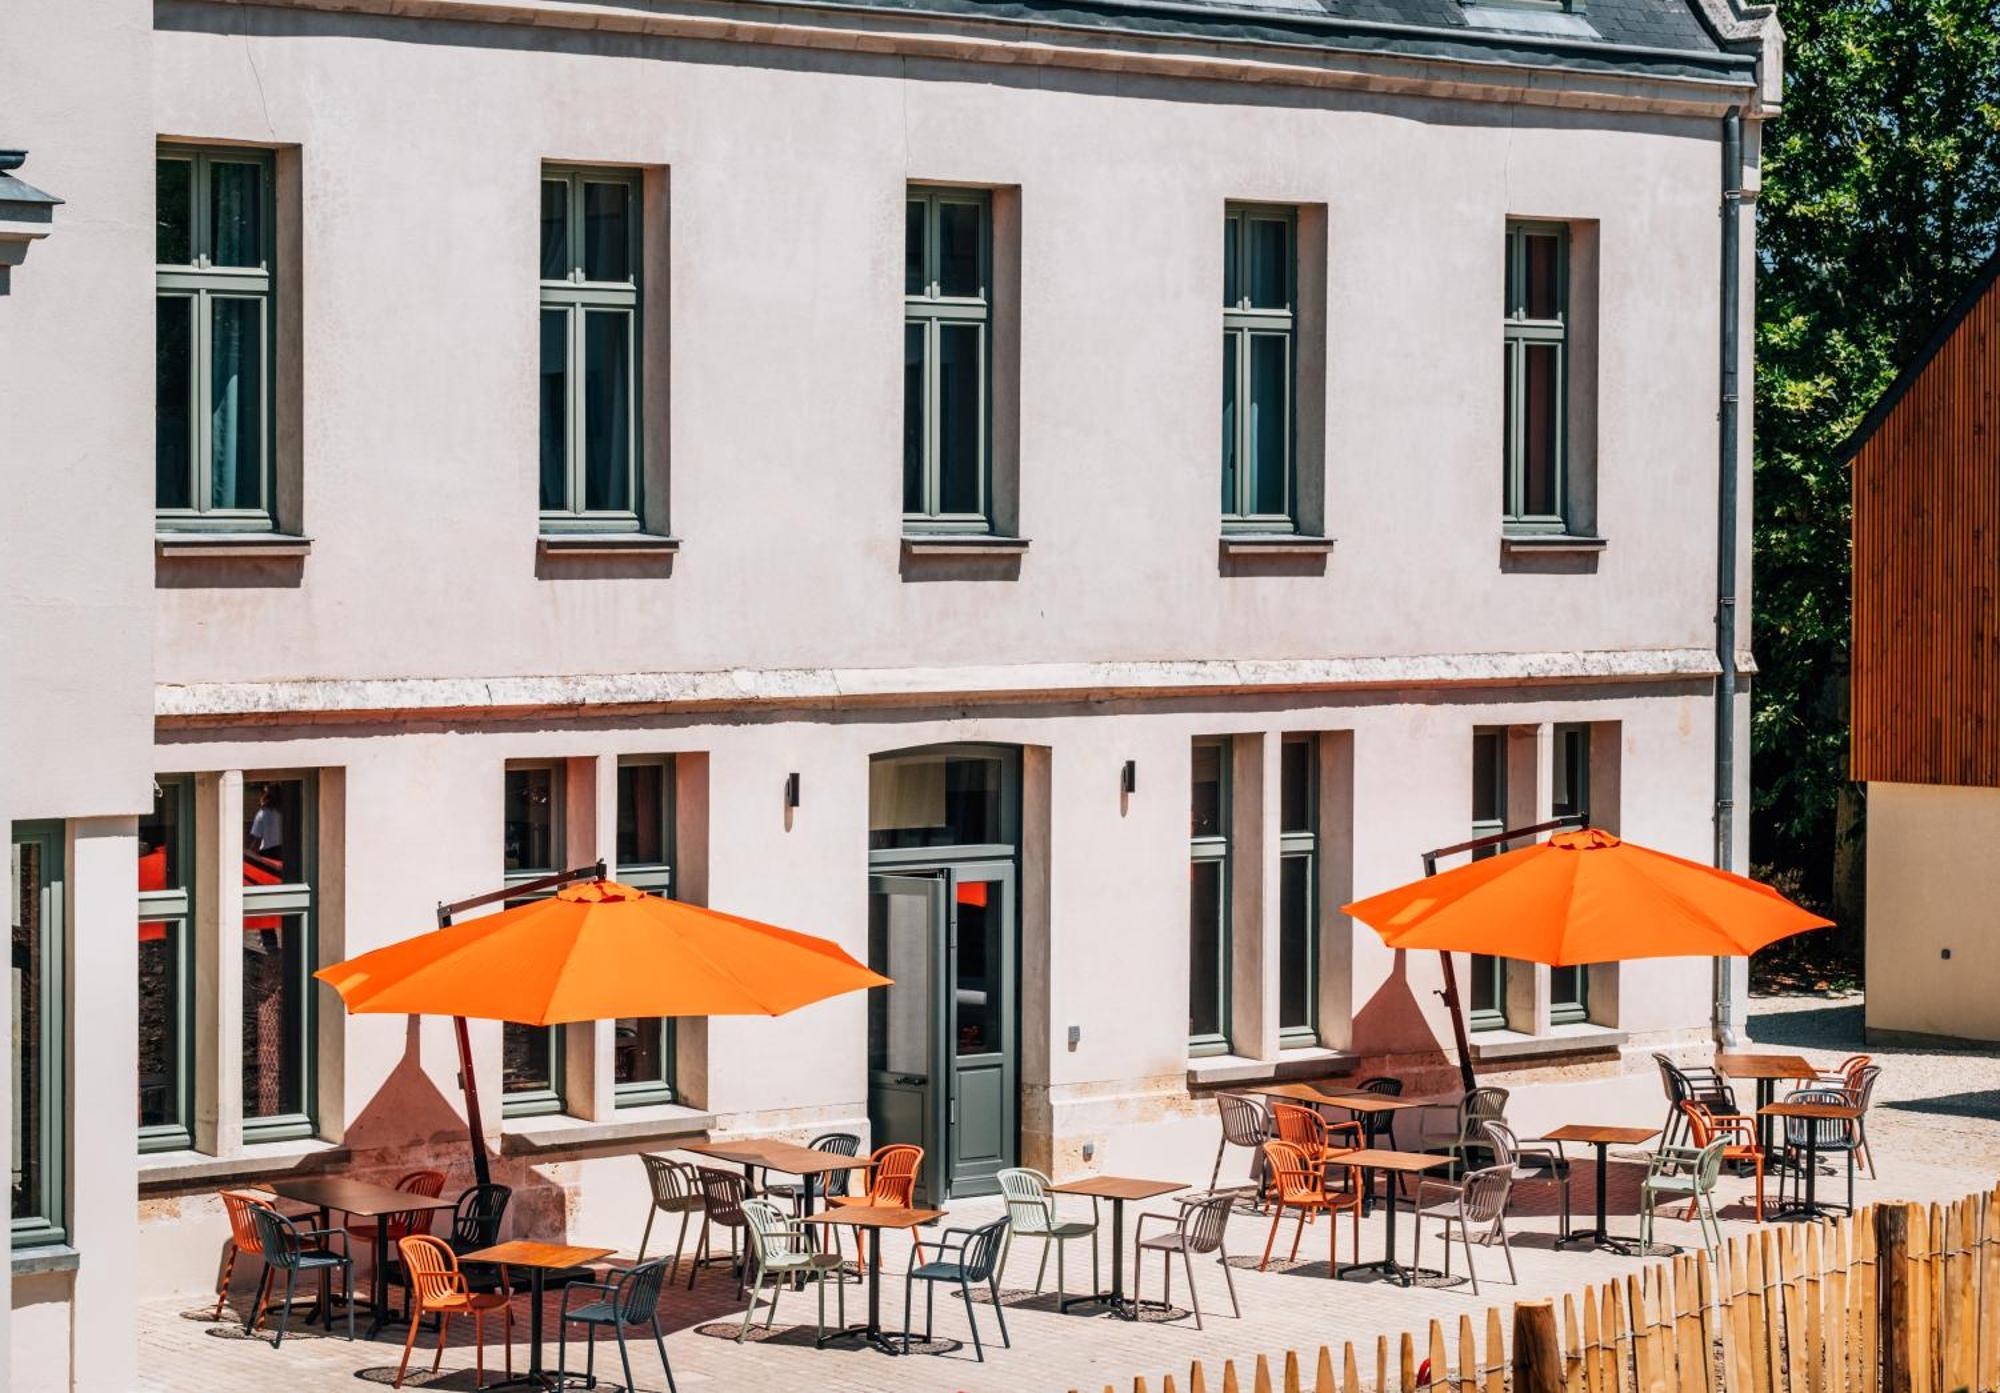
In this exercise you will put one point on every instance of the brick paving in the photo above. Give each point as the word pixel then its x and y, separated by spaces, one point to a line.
pixel 1936 1130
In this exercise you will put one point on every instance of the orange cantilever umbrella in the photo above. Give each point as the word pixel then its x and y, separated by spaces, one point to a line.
pixel 595 950
pixel 1582 896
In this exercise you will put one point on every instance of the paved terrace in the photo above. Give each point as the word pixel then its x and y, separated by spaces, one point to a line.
pixel 1935 1128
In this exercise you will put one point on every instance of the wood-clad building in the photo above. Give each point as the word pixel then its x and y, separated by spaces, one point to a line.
pixel 1925 695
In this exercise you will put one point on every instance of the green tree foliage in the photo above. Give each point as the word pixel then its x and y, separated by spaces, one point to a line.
pixel 1881 200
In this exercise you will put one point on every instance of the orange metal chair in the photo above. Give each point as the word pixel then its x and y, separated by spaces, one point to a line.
pixel 1740 1136
pixel 892 1183
pixel 1299 1182
pixel 441 1291
pixel 1320 1140
pixel 429 1184
pixel 242 1239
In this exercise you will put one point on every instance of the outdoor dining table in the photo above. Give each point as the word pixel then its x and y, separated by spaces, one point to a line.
pixel 539 1259
pixel 787 1158
pixel 1362 1107
pixel 1603 1138
pixel 1766 1069
pixel 1117 1189
pixel 873 1218
pixel 1810 1112
pixel 359 1199
pixel 1369 1160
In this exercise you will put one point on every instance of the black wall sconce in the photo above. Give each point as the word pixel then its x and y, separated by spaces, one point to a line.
pixel 792 790
pixel 1128 778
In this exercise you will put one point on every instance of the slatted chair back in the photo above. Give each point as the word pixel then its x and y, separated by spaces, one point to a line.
pixel 771 1238
pixel 1380 1126
pixel 1485 1194
pixel 1294 1177
pixel 637 1299
pixel 1850 1066
pixel 834 1183
pixel 1302 1127
pixel 1703 1129
pixel 433 1269
pixel 982 1251
pixel 1709 1088
pixel 475 1220
pixel 277 1238
pixel 1030 1208
pixel 673 1183
pixel 1861 1085
pixel 1505 1145
pixel 429 1184
pixel 722 1196
pixel 1673 1080
pixel 1245 1122
pixel 239 1204
pixel 1708 1166
pixel 892 1174
pixel 1204 1223
pixel 1826 1133
pixel 1483 1105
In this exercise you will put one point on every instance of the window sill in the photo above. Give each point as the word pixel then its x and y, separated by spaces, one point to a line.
pixel 1304 1062
pixel 1580 1038
pixel 962 544
pixel 52 1257
pixel 167 1168
pixel 1274 544
pixel 606 544
pixel 527 1136
pixel 219 545
pixel 1548 543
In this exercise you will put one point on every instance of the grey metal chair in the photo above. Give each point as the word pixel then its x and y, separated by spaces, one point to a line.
pixel 675 1190
pixel 1532 1162
pixel 722 1206
pixel 781 1250
pixel 632 1301
pixel 977 1261
pixel 1683 1174
pixel 1861 1092
pixel 1474 1207
pixel 286 1250
pixel 1246 1122
pixel 1197 1231
pixel 1818 1137
pixel 1032 1213
pixel 1466 1133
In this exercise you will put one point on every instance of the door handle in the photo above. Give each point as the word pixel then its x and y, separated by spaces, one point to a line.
pixel 912 1080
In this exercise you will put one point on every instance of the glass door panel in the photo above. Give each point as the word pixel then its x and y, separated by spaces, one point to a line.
pixel 906 930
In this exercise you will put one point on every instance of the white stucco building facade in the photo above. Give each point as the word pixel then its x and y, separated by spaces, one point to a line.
pixel 540 502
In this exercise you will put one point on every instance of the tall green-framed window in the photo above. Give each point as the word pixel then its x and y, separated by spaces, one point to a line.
pixel 280 950
pixel 1536 376
pixel 213 323
pixel 643 1047
pixel 1298 890
pixel 41 1112
pixel 531 1056
pixel 947 360
pixel 1486 993
pixel 590 340
pixel 1259 367
pixel 1569 987
pixel 166 968
pixel 1208 899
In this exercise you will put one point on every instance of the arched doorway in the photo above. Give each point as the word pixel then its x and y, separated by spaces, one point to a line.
pixel 944 921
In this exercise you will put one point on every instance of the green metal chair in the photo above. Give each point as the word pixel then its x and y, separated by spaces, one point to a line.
pixel 971 1258
pixel 630 1302
pixel 287 1250
pixel 781 1250
pixel 1679 1173
pixel 1031 1213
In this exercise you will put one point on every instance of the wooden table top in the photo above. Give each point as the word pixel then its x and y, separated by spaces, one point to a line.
pixel 1117 1187
pixel 1591 1133
pixel 875 1216
pixel 1765 1066
pixel 521 1252
pixel 1825 1112
pixel 355 1197
pixel 789 1158
pixel 1373 1158
pixel 1314 1095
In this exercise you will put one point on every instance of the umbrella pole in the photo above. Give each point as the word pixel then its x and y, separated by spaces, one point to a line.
pixel 1457 1022
pixel 469 1082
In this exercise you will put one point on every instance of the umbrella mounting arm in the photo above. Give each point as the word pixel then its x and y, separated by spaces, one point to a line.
pixel 468 1082
pixel 1452 1001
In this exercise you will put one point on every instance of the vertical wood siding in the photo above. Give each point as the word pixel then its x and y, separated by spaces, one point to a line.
pixel 1926 653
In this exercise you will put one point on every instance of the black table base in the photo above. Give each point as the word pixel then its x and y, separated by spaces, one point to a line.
pixel 1386 1265
pixel 871 1332
pixel 1115 1301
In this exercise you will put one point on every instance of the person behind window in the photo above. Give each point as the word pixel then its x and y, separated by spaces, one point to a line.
pixel 267 827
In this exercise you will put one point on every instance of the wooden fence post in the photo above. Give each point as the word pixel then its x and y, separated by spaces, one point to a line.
pixel 1537 1357
pixel 1892 1258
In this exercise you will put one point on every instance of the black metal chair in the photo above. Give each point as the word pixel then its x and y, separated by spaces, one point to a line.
pixel 631 1301
pixel 1697 1083
pixel 819 1187
pixel 286 1250
pixel 475 1224
pixel 977 1260
pixel 1816 1137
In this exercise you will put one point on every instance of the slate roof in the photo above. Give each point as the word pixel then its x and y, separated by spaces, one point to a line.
pixel 1664 37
